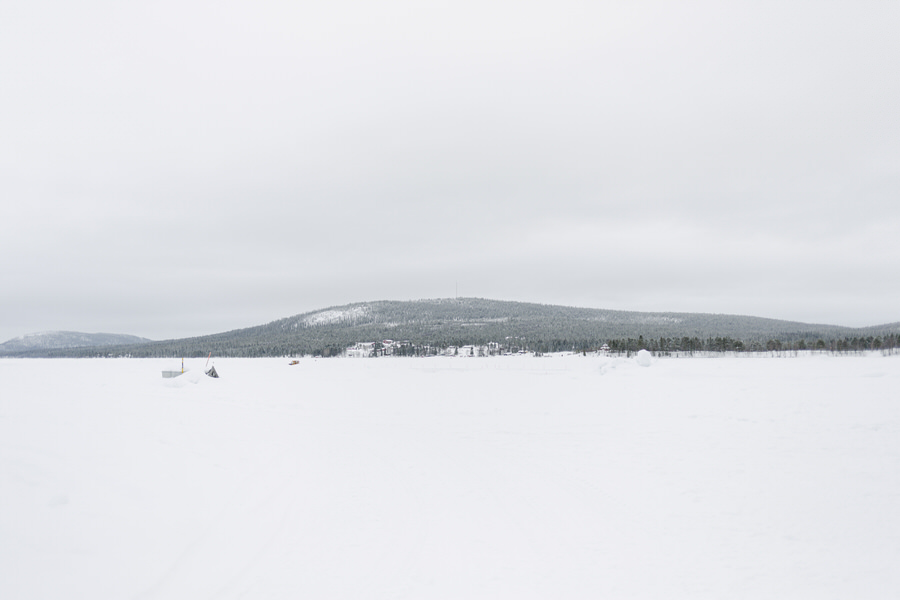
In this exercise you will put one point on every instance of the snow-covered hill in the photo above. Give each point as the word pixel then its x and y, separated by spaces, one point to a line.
pixel 67 339
pixel 461 321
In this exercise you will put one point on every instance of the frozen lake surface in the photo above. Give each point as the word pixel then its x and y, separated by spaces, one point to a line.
pixel 508 477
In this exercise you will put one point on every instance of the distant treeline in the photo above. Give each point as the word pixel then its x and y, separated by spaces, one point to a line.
pixel 658 346
pixel 727 344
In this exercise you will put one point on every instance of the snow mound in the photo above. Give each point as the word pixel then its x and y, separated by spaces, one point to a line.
pixel 643 358
pixel 189 377
pixel 608 364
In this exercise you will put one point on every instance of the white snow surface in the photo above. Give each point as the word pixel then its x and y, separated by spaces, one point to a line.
pixel 505 477
pixel 327 317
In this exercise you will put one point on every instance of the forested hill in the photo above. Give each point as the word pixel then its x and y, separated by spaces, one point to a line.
pixel 461 321
pixel 53 340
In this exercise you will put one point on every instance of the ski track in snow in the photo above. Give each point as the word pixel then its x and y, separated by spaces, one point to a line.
pixel 505 477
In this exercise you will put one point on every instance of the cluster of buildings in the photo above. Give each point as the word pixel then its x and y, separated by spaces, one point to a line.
pixel 489 349
pixel 391 347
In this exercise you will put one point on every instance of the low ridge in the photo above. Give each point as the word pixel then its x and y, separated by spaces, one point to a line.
pixel 56 340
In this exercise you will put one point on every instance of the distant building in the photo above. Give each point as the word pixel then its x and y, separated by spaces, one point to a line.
pixel 361 350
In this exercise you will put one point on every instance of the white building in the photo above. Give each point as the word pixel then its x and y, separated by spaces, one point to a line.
pixel 361 350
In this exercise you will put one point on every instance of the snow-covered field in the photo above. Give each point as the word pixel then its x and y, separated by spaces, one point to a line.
pixel 512 477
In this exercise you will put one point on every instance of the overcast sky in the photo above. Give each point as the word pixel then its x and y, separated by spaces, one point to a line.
pixel 170 169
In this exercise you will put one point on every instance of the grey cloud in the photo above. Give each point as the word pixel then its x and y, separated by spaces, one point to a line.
pixel 260 161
